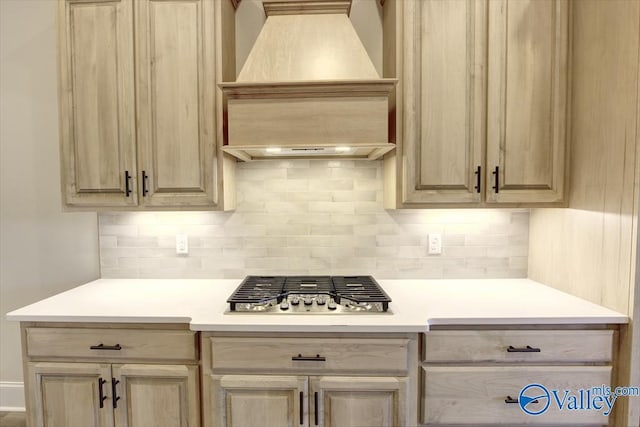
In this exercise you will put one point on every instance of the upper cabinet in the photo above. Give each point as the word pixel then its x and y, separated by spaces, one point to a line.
pixel 481 111
pixel 97 102
pixel 139 102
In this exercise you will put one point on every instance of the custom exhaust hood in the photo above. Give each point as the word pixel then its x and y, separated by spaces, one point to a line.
pixel 307 88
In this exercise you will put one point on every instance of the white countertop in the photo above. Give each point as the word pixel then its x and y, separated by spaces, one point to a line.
pixel 416 305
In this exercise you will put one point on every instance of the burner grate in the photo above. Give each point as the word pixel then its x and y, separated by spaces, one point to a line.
pixel 359 290
pixel 256 290
pixel 309 285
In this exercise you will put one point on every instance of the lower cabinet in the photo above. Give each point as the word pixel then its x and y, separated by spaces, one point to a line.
pixel 309 381
pixel 90 394
pixel 516 377
pixel 331 401
pixel 69 394
pixel 111 377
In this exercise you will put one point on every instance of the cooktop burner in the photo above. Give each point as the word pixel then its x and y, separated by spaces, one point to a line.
pixel 309 295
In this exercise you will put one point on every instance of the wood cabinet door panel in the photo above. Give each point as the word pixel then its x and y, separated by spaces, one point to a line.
pixel 443 66
pixel 156 395
pixel 258 401
pixel 67 395
pixel 527 99
pixel 96 102
pixel 176 89
pixel 358 401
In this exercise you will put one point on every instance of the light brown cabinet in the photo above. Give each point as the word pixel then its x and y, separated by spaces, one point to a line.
pixel 474 377
pixel 482 109
pixel 338 401
pixel 148 141
pixel 268 381
pixel 111 377
pixel 68 394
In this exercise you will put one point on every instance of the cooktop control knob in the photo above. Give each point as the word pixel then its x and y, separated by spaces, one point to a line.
pixel 284 305
pixel 308 301
pixel 331 305
pixel 321 300
pixel 295 300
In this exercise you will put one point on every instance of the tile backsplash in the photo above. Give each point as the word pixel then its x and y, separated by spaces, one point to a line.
pixel 314 217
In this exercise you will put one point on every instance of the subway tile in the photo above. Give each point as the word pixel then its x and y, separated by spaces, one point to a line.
pixel 288 230
pixel 332 230
pixel 137 242
pixel 309 196
pixel 315 216
pixel 119 230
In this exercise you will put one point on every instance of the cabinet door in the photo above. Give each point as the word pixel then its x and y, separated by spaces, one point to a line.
pixel 175 60
pixel 156 395
pixel 444 100
pixel 258 401
pixel 527 100
pixel 359 401
pixel 68 395
pixel 96 95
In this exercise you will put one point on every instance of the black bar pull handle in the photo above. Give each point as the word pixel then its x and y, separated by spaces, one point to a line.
pixel 496 172
pixel 478 178
pixel 527 349
pixel 101 396
pixel 316 409
pixel 301 408
pixel 145 190
pixel 510 399
pixel 114 393
pixel 316 358
pixel 105 347
pixel 127 184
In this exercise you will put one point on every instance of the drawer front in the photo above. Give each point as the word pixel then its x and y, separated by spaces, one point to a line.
pixel 116 344
pixel 519 346
pixel 309 355
pixel 476 395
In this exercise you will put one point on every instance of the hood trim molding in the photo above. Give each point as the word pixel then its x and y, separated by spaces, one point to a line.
pixel 298 7
pixel 308 89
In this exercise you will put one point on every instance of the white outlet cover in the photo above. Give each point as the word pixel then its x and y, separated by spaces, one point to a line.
pixel 435 244
pixel 182 244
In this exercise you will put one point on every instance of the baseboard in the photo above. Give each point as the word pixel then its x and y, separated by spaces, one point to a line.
pixel 11 396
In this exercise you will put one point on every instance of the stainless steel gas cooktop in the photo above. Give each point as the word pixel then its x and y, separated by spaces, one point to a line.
pixel 309 295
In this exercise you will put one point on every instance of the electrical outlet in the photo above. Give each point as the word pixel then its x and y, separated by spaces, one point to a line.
pixel 435 244
pixel 182 244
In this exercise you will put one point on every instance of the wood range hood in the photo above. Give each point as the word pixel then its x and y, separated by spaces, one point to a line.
pixel 307 89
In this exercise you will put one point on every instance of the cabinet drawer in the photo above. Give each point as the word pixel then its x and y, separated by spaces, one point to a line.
pixel 476 395
pixel 511 346
pixel 132 343
pixel 309 355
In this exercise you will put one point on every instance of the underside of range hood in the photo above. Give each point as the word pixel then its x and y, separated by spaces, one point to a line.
pixel 308 88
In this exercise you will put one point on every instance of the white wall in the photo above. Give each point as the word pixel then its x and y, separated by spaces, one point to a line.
pixel 42 250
